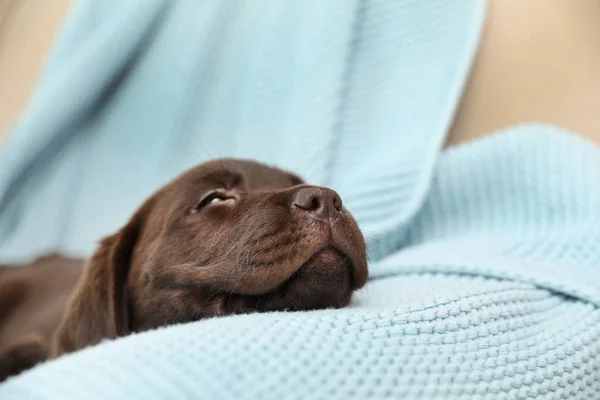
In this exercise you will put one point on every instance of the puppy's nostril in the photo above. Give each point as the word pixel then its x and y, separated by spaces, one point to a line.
pixel 308 199
pixel 314 205
pixel 337 202
pixel 318 201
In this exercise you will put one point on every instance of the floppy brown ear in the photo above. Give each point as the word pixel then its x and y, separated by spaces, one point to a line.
pixel 97 308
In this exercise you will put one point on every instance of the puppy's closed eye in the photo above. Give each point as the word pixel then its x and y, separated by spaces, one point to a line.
pixel 216 197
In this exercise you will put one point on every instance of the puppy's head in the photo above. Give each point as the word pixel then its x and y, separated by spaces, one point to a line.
pixel 228 236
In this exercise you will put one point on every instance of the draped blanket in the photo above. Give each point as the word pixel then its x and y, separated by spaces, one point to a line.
pixel 485 258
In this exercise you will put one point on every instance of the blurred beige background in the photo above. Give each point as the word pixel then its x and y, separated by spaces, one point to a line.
pixel 27 30
pixel 538 60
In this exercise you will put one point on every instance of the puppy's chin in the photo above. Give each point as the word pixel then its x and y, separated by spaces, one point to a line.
pixel 324 281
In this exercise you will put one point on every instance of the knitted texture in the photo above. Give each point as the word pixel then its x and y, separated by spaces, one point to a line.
pixel 496 296
pixel 485 273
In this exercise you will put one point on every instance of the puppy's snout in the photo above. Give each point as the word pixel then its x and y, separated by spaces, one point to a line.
pixel 321 202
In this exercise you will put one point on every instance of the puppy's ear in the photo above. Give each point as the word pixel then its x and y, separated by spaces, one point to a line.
pixel 98 307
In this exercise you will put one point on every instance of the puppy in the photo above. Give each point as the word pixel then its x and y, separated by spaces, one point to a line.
pixel 226 237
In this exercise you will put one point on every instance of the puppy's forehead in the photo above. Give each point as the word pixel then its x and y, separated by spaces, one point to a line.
pixel 230 173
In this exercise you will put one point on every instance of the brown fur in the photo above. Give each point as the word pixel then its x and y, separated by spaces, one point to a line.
pixel 267 243
pixel 32 303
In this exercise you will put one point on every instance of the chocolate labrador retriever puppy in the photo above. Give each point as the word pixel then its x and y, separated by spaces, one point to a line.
pixel 226 237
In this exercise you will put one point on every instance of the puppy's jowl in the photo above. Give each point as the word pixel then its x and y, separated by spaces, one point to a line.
pixel 226 237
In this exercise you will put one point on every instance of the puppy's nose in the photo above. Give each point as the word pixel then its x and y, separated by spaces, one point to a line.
pixel 319 201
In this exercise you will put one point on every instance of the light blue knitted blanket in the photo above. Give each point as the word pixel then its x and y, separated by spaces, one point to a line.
pixel 486 258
